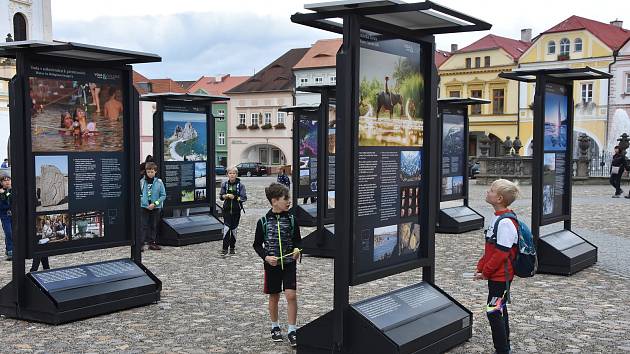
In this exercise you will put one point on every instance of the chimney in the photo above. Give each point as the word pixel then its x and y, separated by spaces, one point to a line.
pixel 526 35
pixel 453 47
pixel 617 23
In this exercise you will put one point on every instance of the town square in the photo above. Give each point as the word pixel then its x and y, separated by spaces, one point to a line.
pixel 353 176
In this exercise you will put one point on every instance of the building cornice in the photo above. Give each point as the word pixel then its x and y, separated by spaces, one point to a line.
pixel 472 71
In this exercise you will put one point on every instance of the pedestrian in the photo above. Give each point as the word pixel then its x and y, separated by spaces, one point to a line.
pixel 37 261
pixel 284 179
pixel 5 214
pixel 234 194
pixel 277 241
pixel 151 201
pixel 495 265
pixel 5 164
pixel 617 167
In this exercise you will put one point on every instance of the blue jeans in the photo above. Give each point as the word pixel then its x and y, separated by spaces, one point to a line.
pixel 8 232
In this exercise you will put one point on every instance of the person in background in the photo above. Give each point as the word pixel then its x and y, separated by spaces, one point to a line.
pixel 5 164
pixel 617 167
pixel 5 214
pixel 234 194
pixel 152 199
pixel 284 179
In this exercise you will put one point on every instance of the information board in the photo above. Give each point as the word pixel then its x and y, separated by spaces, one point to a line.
pixel 388 192
pixel 78 130
pixel 332 139
pixel 555 152
pixel 453 154
pixel 307 145
pixel 185 147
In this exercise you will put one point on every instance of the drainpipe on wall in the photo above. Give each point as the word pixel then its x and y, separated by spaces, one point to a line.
pixel 615 54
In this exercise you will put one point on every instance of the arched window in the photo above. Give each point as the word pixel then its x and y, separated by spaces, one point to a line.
pixel 551 47
pixel 19 27
pixel 565 46
pixel 578 45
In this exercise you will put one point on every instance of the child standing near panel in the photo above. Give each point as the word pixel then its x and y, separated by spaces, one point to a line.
pixel 496 263
pixel 233 194
pixel 277 242
pixel 152 199
pixel 5 214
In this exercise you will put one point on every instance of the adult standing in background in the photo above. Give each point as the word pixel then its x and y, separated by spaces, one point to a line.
pixel 617 167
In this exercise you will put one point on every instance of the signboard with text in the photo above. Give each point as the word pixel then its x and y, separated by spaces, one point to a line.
pixel 78 153
pixel 389 191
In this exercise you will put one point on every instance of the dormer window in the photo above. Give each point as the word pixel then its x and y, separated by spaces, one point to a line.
pixel 565 46
pixel 551 47
pixel 578 45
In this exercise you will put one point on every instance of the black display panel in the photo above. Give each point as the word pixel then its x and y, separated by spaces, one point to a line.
pixel 389 142
pixel 185 150
pixel 555 164
pixel 332 139
pixel 78 152
pixel 307 145
pixel 453 154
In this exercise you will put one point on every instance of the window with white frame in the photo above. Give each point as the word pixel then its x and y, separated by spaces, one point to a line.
pixel 333 79
pixel 281 117
pixel 242 118
pixel 565 46
pixel 303 81
pixel 587 92
pixel 221 138
pixel 628 83
pixel 254 120
pixel 267 117
pixel 221 114
pixel 319 80
pixel 577 46
pixel 551 47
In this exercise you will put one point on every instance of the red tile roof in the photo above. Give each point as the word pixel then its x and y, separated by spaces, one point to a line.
pixel 513 47
pixel 323 54
pixel 276 76
pixel 212 86
pixel 440 57
pixel 613 36
pixel 157 85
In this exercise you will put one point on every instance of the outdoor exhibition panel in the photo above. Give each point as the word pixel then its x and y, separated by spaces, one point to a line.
pixel 74 124
pixel 320 242
pixel 561 252
pixel 387 89
pixel 183 146
pixel 453 116
pixel 305 161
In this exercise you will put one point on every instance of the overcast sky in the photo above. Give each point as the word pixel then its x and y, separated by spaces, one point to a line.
pixel 209 37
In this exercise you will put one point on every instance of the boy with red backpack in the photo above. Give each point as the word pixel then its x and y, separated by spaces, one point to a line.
pixel 501 248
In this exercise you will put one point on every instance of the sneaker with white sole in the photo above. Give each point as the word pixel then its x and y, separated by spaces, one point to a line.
pixel 292 338
pixel 276 334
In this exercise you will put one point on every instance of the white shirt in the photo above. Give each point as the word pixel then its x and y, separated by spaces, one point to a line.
pixel 507 235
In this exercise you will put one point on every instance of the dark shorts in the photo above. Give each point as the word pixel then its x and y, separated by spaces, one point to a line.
pixel 277 279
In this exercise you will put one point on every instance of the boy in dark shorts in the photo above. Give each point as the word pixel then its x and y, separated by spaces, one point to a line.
pixel 277 242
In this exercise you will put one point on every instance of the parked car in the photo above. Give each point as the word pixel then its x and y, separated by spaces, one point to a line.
pixel 473 169
pixel 219 170
pixel 251 169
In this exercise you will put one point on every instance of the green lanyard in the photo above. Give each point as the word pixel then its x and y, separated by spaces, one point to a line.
pixel 280 241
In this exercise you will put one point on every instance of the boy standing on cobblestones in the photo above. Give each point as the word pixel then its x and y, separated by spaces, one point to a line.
pixel 277 242
pixel 233 193
pixel 495 265
pixel 152 199
pixel 5 214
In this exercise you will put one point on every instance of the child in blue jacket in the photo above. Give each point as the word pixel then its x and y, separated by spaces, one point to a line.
pixel 152 199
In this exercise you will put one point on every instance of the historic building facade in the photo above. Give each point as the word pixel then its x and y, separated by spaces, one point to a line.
pixel 473 71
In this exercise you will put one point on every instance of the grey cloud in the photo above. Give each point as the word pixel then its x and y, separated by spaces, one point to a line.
pixel 195 44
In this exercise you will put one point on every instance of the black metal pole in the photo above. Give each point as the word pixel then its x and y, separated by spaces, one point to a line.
pixel 295 168
pixel 134 176
pixel 322 166
pixel 18 110
pixel 431 189
pixel 466 153
pixel 211 160
pixel 347 103
pixel 568 167
pixel 538 153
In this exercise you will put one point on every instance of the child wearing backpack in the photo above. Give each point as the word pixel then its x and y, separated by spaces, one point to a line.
pixel 233 194
pixel 277 242
pixel 501 247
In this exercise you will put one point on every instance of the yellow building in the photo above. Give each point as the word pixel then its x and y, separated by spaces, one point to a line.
pixel 575 43
pixel 473 71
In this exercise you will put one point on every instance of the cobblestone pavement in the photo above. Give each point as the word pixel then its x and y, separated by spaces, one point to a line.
pixel 215 305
